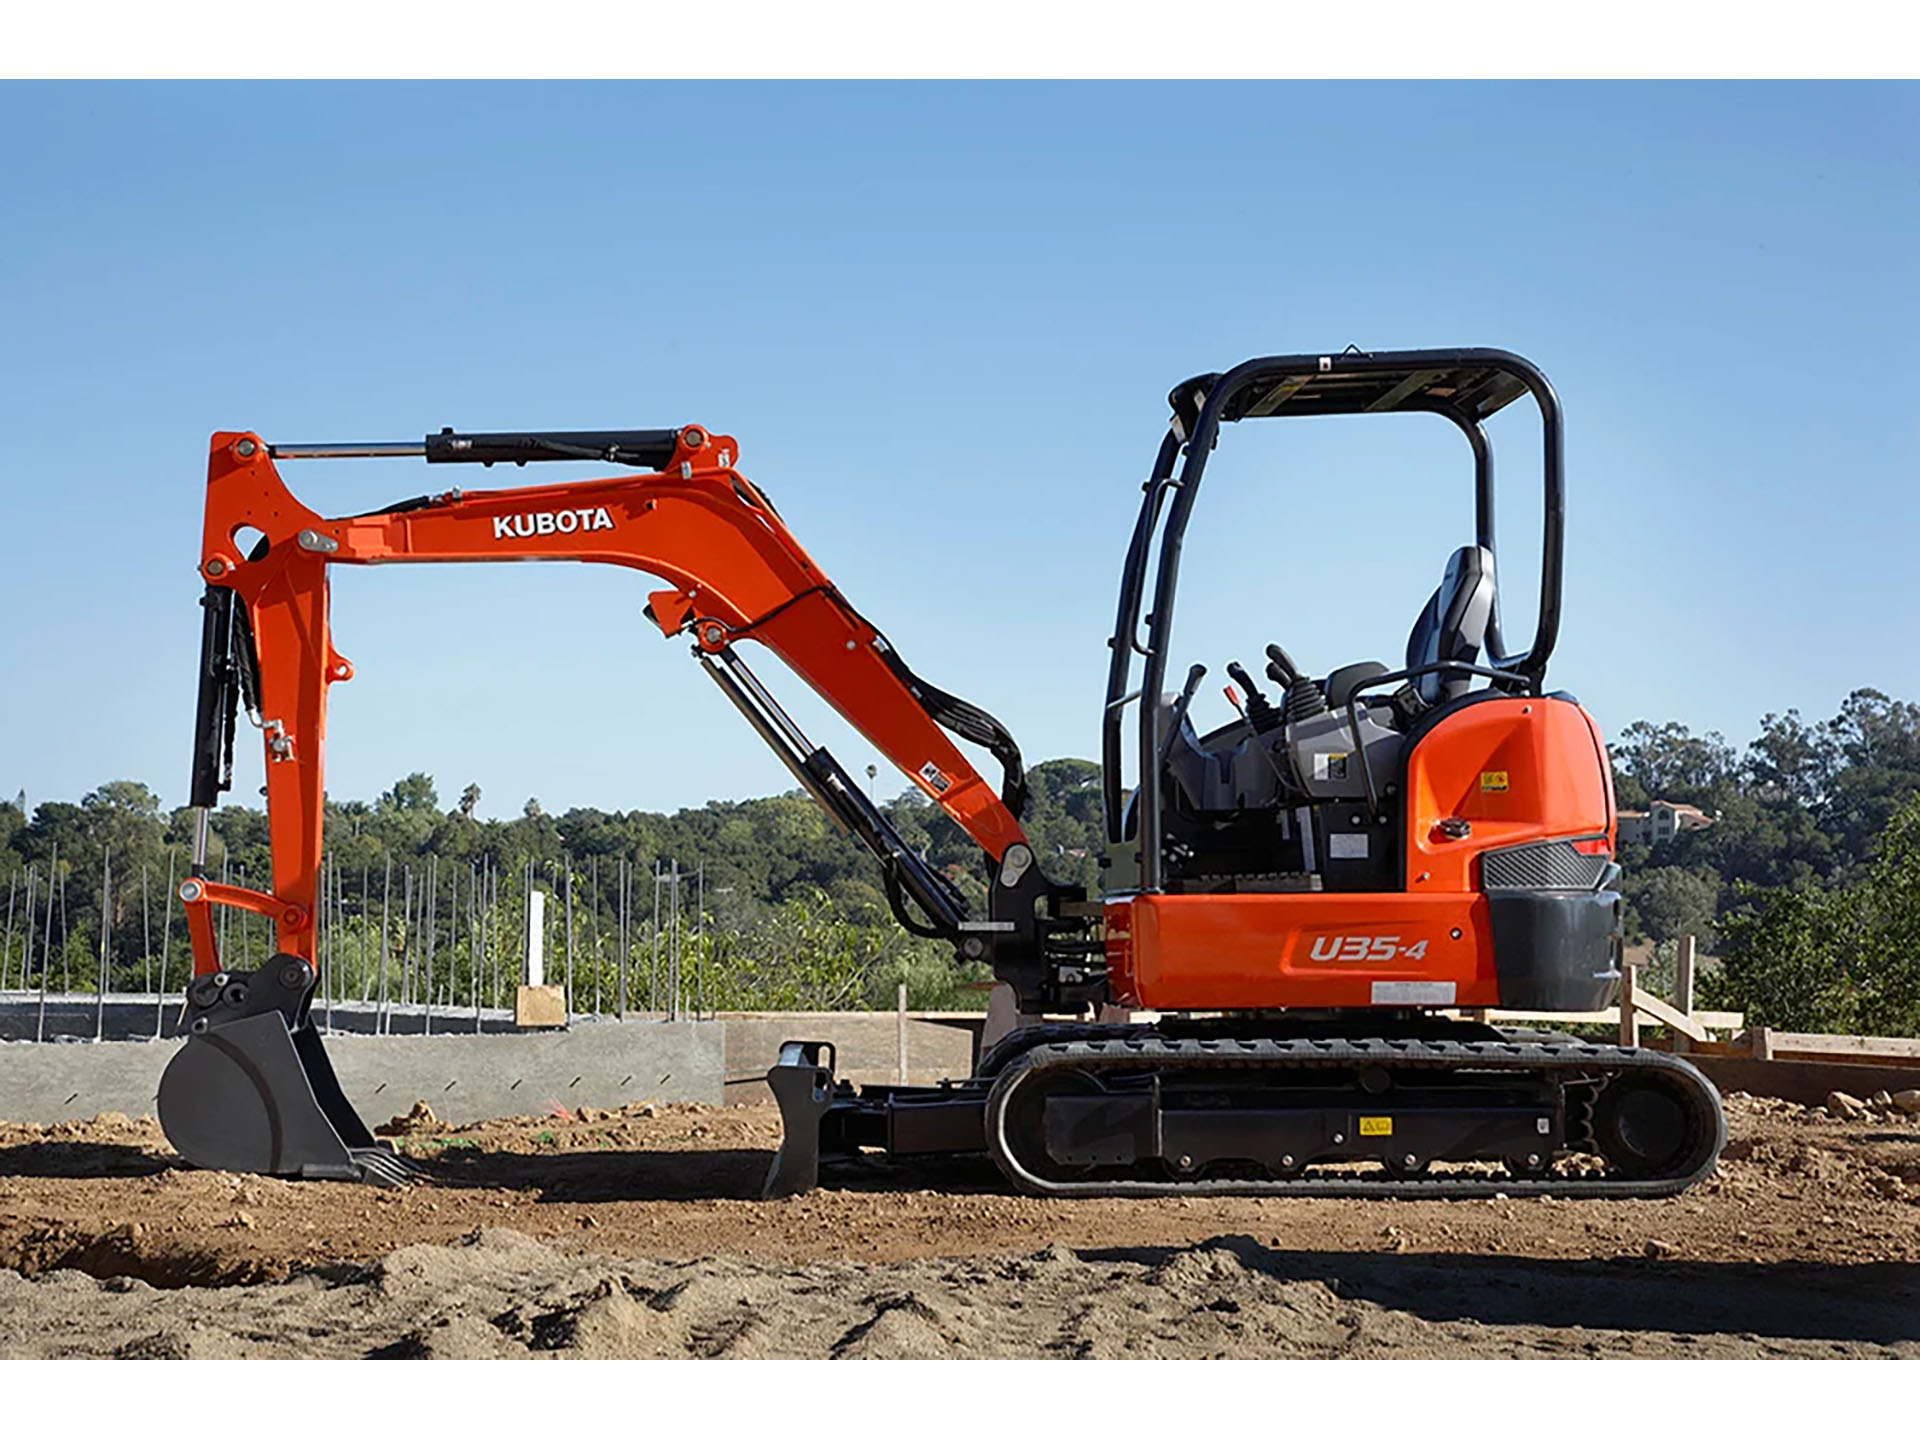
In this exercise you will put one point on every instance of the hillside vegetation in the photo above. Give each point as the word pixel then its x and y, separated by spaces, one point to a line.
pixel 1806 888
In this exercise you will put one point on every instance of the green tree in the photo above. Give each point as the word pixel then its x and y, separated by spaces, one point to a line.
pixel 1670 762
pixel 1790 760
pixel 1842 957
pixel 413 793
pixel 1670 902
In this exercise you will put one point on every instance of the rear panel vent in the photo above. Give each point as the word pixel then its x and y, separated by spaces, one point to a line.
pixel 1543 865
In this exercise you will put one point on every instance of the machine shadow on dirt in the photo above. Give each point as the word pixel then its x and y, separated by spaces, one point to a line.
pixel 1788 1299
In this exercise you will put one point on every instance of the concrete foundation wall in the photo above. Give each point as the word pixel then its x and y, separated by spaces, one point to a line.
pixel 463 1077
pixel 602 1063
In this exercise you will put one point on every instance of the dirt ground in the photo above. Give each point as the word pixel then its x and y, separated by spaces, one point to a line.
pixel 635 1233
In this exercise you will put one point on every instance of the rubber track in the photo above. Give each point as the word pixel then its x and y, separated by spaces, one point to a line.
pixel 1574 1059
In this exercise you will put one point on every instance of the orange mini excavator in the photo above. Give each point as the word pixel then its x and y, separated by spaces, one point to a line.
pixel 1305 897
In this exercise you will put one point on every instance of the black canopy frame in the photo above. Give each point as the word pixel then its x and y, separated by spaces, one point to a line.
pixel 1465 386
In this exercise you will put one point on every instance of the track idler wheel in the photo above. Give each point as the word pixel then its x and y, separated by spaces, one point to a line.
pixel 252 1090
pixel 1641 1127
pixel 1024 1139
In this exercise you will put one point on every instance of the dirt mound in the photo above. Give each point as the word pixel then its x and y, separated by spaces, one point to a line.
pixel 496 1294
pixel 636 1232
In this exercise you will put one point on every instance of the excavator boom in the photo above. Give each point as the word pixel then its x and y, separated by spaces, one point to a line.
pixel 733 573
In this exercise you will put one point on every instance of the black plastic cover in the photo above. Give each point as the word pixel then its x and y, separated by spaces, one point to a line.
pixel 1556 951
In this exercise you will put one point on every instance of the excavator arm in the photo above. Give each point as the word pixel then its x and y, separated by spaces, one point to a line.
pixel 734 573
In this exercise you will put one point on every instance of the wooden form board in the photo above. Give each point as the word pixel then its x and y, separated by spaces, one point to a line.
pixel 1764 1044
pixel 1806 1082
pixel 1844 1045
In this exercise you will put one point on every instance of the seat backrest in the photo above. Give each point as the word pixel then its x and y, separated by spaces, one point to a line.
pixel 1454 624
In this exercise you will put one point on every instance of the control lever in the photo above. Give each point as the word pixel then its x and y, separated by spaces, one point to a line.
pixel 1247 713
pixel 1179 716
pixel 1259 713
pixel 1280 667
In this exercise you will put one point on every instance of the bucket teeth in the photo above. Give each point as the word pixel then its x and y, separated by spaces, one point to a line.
pixel 382 1167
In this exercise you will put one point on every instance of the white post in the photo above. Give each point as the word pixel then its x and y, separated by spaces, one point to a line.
pixel 536 936
pixel 900 1022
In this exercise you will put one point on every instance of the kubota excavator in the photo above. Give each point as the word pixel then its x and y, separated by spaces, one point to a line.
pixel 1305 898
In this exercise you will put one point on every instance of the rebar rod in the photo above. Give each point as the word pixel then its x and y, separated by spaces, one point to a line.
pixel 653 962
pixel 66 939
pixel 106 943
pixel 6 955
pixel 493 991
pixel 673 949
pixel 26 934
pixel 409 936
pixel 594 924
pixel 473 942
pixel 433 923
pixel 386 897
pixel 625 933
pixel 46 943
pixel 166 939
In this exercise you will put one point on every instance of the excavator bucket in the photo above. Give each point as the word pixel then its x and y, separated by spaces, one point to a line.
pixel 252 1089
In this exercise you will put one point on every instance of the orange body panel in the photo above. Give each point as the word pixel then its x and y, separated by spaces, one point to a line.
pixel 737 572
pixel 1515 769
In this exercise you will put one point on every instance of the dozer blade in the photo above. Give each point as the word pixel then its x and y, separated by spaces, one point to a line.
pixel 803 1085
pixel 252 1089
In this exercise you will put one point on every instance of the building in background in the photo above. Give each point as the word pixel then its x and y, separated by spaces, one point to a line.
pixel 1660 822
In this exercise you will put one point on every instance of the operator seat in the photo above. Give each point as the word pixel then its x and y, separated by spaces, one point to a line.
pixel 1453 625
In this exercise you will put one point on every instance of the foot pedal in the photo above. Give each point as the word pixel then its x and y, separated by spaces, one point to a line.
pixel 803 1085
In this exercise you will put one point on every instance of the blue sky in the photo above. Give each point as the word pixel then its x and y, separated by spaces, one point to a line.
pixel 942 322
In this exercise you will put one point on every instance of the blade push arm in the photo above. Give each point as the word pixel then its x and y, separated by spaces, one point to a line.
pixel 734 573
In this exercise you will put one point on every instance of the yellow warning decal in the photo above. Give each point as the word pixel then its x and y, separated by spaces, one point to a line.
pixel 1376 1124
pixel 1493 780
